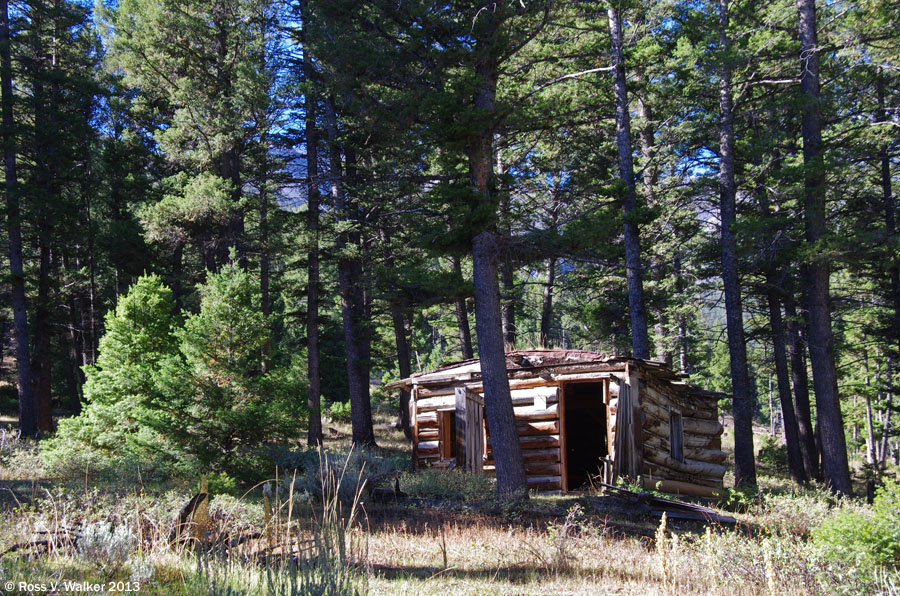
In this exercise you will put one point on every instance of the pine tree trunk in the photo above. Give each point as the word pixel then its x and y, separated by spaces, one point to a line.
pixel 510 469
pixel 27 410
pixel 821 341
pixel 640 343
pixel 462 314
pixel 350 282
pixel 547 306
pixel 745 466
pixel 788 415
pixel 403 363
pixel 800 383
pixel 265 303
pixel 41 357
pixel 871 455
pixel 44 149
pixel 69 338
pixel 314 393
pixel 773 285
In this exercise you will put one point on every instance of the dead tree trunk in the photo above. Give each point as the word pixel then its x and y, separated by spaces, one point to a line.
pixel 547 306
pixel 508 294
pixel 888 406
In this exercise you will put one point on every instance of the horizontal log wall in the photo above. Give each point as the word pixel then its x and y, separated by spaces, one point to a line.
pixel 539 427
pixel 702 466
pixel 536 410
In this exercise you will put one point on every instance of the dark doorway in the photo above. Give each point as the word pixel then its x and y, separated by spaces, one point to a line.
pixel 584 414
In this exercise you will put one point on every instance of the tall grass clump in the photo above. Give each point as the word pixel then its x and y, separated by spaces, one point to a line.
pixel 558 556
pixel 325 556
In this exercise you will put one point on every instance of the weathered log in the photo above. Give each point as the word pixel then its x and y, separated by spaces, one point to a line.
pixel 542 469
pixel 682 488
pixel 688 466
pixel 701 427
pixel 704 454
pixel 544 483
pixel 693 441
pixel 431 404
pixel 538 428
pixel 426 422
pixel 708 428
pixel 430 399
pixel 658 405
pixel 534 442
pixel 663 473
pixel 686 392
pixel 427 448
pixel 428 435
pixel 531 456
pixel 532 413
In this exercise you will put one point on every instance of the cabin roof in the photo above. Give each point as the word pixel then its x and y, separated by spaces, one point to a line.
pixel 526 363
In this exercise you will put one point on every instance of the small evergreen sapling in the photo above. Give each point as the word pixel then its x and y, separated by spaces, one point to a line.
pixel 115 425
pixel 217 402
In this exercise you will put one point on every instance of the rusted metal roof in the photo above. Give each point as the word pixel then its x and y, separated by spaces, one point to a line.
pixel 522 362
pixel 520 359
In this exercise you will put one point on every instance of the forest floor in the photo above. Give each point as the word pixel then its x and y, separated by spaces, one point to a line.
pixel 449 536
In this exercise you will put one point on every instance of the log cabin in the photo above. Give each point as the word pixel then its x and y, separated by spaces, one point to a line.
pixel 582 417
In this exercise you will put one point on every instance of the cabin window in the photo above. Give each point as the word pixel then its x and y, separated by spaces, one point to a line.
pixel 676 436
pixel 447 434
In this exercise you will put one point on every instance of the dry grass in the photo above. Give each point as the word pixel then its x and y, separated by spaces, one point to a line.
pixel 554 545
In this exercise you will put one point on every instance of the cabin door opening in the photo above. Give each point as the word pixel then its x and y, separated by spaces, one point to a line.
pixel 585 436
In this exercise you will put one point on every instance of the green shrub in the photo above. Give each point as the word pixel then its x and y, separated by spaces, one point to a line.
pixel 866 537
pixel 309 468
pixel 448 486
pixel 741 498
pixel 219 483
pixel 340 411
pixel 773 454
